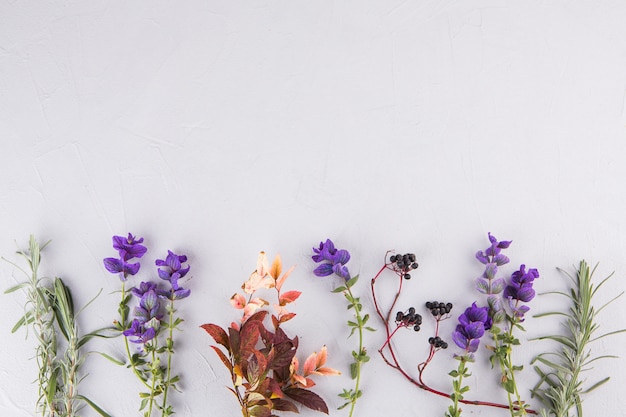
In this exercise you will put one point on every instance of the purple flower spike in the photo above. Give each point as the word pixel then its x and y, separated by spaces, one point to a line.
pixel 128 248
pixel 173 265
pixel 334 260
pixel 472 325
pixel 172 271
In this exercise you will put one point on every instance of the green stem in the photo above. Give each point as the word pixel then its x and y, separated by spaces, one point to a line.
pixel 357 312
pixel 153 371
pixel 170 351
pixel 454 410
pixel 508 372
pixel 124 326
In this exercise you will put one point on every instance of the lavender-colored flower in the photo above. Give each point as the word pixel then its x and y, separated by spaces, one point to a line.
pixel 119 266
pixel 334 260
pixel 492 253
pixel 521 289
pixel 142 332
pixel 492 258
pixel 144 287
pixel 172 271
pixel 128 248
pixel 472 325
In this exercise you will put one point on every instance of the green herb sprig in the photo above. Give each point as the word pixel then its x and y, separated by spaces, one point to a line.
pixel 561 384
pixel 49 309
pixel 39 316
pixel 360 355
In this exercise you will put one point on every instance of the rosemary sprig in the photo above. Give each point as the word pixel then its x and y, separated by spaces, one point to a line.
pixel 39 315
pixel 561 385
pixel 71 361
pixel 49 309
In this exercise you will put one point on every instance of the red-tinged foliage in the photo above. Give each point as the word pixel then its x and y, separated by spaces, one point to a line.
pixel 287 317
pixel 217 333
pixel 288 297
pixel 223 357
pixel 261 359
pixel 307 398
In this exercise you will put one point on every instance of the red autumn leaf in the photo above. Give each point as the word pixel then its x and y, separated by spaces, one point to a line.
pixel 307 398
pixel 284 405
pixel 217 333
pixel 287 317
pixel 223 357
pixel 249 336
pixel 289 297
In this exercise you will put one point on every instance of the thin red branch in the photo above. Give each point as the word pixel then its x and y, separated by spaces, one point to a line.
pixel 393 360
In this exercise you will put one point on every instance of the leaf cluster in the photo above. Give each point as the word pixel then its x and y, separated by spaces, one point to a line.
pixel 561 385
pixel 261 357
pixel 457 385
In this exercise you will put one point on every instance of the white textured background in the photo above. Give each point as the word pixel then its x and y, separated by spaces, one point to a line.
pixel 223 128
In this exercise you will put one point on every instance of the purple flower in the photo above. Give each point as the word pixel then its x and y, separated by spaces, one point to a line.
pixel 521 286
pixel 144 287
pixel 172 271
pixel 472 325
pixel 128 248
pixel 140 331
pixel 334 260
pixel 148 307
pixel 492 253
pixel 119 266
pixel 492 258
pixel 521 289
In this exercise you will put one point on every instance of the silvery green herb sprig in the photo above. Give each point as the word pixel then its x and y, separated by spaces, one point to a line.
pixel 50 309
pixel 39 317
pixel 561 383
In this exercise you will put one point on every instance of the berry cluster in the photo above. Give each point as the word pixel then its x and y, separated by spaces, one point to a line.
pixel 403 264
pixel 438 309
pixel 437 342
pixel 408 319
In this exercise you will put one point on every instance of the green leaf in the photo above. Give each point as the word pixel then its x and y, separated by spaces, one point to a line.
pixel 112 359
pixel 352 281
pixel 16 287
pixel 339 289
pixel 94 406
pixel 596 385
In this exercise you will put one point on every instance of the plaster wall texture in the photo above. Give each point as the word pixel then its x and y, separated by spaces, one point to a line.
pixel 220 129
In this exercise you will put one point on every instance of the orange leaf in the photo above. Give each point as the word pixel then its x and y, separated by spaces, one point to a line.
pixel 327 371
pixel 309 365
pixel 280 281
pixel 321 357
pixel 276 268
pixel 287 317
pixel 289 297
